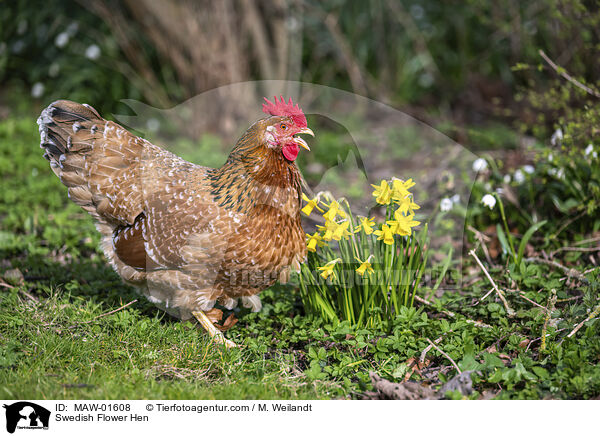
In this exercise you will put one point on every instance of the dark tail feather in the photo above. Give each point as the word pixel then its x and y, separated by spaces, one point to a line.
pixel 59 121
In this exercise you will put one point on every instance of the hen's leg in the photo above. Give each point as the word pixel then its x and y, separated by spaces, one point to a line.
pixel 214 333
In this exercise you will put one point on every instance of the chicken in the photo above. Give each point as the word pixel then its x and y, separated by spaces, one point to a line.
pixel 187 236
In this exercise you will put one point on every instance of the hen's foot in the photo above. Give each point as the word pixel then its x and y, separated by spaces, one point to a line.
pixel 214 333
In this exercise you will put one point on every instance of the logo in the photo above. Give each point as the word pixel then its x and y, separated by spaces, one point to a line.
pixel 26 415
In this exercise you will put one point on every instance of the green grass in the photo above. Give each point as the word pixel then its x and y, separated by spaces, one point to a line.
pixel 60 349
pixel 60 338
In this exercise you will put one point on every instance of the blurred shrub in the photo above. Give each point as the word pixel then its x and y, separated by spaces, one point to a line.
pixel 561 186
pixel 562 87
pixel 56 49
pixel 409 51
pixel 571 181
pixel 561 109
pixel 456 55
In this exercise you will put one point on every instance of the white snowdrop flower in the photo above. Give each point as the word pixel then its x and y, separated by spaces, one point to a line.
pixel 37 90
pixel 519 176
pixel 556 137
pixel 558 173
pixel 54 69
pixel 507 178
pixel 455 198
pixel 489 201
pixel 550 157
pixel 487 186
pixel 499 191
pixel 479 164
pixel 92 52
pixel 446 204
pixel 589 149
pixel 61 39
pixel 529 169
pixel 153 124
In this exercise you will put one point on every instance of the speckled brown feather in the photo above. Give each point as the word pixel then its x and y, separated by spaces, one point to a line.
pixel 184 234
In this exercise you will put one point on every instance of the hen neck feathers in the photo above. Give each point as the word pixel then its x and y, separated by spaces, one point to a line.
pixel 255 177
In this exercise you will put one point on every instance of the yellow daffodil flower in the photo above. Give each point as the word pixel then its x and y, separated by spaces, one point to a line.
pixel 341 231
pixel 327 269
pixel 328 229
pixel 408 206
pixel 334 210
pixel 310 204
pixel 314 241
pixel 400 189
pixel 404 223
pixel 365 267
pixel 366 224
pixel 393 224
pixel 386 234
pixel 382 193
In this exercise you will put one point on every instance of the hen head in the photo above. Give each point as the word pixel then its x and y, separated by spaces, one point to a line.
pixel 287 120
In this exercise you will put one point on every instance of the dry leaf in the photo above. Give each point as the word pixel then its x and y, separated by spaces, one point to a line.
pixel 415 365
pixel 229 322
pixel 524 343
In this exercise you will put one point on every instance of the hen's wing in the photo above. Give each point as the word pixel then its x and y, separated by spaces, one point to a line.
pixel 102 164
pixel 125 182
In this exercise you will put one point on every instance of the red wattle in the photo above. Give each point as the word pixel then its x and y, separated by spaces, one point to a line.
pixel 290 151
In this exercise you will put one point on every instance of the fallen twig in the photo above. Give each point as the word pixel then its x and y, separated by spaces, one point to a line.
pixel 591 316
pixel 563 300
pixel 580 249
pixel 509 311
pixel 445 355
pixel 99 316
pixel 587 241
pixel 430 346
pixel 481 237
pixel 540 338
pixel 452 314
pixel 22 291
pixel 28 295
pixel 569 271
pixel 486 295
pixel 522 295
pixel 410 390
pixel 111 312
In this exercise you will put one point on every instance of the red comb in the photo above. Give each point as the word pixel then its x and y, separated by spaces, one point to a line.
pixel 283 109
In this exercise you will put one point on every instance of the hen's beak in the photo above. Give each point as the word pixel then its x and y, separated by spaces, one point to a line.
pixel 301 142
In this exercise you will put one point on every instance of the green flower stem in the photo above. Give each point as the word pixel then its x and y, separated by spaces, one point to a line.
pixel 423 263
pixel 373 298
pixel 506 229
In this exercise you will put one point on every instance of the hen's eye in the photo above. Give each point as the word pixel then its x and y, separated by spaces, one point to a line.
pixel 283 127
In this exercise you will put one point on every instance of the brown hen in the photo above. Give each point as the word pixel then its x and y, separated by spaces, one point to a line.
pixel 186 236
